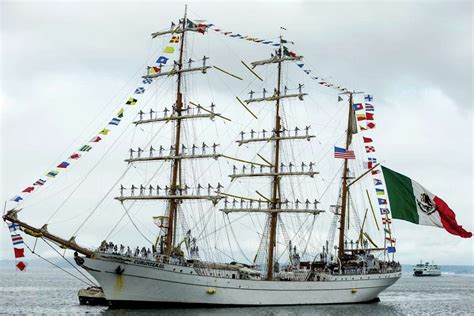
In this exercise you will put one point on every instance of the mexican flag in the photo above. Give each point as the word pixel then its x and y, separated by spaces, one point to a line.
pixel 411 202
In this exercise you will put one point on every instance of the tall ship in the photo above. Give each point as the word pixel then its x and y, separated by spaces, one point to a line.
pixel 292 222
pixel 426 269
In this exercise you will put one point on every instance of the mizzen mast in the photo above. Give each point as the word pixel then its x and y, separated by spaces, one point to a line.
pixel 351 129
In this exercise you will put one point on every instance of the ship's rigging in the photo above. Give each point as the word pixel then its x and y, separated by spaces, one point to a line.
pixel 179 190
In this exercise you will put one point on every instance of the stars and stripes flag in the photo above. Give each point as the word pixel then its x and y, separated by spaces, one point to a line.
pixel 342 153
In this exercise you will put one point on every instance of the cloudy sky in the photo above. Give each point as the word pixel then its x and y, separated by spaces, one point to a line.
pixel 64 64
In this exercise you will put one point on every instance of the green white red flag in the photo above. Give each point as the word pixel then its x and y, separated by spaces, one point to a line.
pixel 411 202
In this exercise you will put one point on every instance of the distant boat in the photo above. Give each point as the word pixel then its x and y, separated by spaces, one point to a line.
pixel 426 269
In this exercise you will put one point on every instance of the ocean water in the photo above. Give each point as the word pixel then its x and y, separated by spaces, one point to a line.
pixel 49 291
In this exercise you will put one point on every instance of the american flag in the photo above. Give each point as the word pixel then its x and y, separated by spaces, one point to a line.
pixel 343 153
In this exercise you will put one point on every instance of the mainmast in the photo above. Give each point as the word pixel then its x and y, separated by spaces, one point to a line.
pixel 276 169
pixel 276 178
pixel 176 165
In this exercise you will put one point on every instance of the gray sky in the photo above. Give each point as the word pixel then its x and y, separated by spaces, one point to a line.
pixel 62 62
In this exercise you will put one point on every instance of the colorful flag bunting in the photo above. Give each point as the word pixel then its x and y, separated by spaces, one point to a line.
pixel 162 60
pixel 375 171
pixel 392 240
pixel 380 191
pixel 369 107
pixel 339 98
pixel 360 117
pixel 19 252
pixel 369 149
pixel 391 250
pixel 75 156
pixel 147 80
pixel 13 227
pixel 153 70
pixel 40 182
pixel 52 173
pixel 131 101
pixel 16 239
pixel 300 65
pixel 16 198
pixel 367 140
pixel 114 121
pixel 174 39
pixel 28 189
pixel 104 131
pixel 63 164
pixel 168 50
pixel 368 98
pixel 95 139
pixel 382 201
pixel 358 106
pixel 378 182
pixel 140 90
pixel 120 112
pixel 384 211
pixel 369 116
pixel 85 148
pixel 386 221
pixel 368 164
pixel 21 266
pixel 370 125
pixel 342 153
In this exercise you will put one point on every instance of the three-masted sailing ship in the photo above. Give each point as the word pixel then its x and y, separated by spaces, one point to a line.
pixel 174 271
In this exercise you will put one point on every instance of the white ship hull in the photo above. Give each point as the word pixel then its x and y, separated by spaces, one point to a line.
pixel 143 283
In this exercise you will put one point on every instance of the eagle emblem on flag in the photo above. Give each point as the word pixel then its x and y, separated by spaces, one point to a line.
pixel 425 204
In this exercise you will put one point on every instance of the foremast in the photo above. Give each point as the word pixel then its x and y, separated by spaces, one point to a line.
pixel 177 191
pixel 176 164
pixel 174 194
